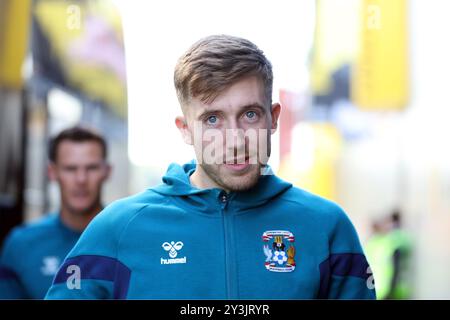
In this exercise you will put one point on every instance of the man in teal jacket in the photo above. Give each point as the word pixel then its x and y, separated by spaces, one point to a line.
pixel 32 253
pixel 223 227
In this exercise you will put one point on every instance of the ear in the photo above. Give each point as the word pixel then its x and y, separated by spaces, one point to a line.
pixel 275 112
pixel 108 170
pixel 181 124
pixel 52 172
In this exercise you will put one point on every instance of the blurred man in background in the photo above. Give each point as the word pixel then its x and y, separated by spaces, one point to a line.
pixel 32 253
pixel 389 254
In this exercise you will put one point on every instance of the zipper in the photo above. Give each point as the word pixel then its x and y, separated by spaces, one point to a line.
pixel 230 263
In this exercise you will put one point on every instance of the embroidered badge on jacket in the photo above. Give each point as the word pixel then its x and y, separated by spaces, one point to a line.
pixel 279 250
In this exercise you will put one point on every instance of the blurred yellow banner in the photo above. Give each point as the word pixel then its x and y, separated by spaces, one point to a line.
pixel 86 38
pixel 380 75
pixel 14 28
pixel 311 164
pixel 335 41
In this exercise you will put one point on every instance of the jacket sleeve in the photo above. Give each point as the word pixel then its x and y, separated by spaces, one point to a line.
pixel 10 284
pixel 345 274
pixel 92 269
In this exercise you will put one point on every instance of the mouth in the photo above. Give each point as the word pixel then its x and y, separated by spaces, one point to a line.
pixel 237 164
pixel 80 195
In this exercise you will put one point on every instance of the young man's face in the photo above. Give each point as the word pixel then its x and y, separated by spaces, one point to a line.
pixel 80 171
pixel 231 135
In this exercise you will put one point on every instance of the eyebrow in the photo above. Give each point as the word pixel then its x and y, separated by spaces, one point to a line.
pixel 218 111
pixel 254 106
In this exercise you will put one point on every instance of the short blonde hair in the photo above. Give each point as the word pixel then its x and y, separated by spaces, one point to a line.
pixel 214 63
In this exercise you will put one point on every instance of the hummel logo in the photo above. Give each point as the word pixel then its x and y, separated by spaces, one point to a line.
pixel 173 248
pixel 50 265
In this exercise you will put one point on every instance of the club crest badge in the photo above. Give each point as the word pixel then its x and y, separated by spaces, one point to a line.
pixel 279 250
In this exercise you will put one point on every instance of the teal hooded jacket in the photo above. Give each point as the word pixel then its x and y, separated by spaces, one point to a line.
pixel 31 256
pixel 175 241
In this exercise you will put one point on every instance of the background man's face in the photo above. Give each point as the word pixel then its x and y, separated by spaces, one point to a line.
pixel 228 144
pixel 80 171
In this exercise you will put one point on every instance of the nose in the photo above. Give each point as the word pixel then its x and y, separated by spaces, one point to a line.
pixel 235 138
pixel 81 176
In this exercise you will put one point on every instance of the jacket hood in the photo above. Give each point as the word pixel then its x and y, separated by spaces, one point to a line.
pixel 176 183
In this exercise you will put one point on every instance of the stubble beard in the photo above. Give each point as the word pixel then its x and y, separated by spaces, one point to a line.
pixel 230 181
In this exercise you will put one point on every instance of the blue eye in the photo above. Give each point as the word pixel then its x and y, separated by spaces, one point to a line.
pixel 250 114
pixel 211 120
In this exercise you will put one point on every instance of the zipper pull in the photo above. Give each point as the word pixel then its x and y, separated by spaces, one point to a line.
pixel 223 198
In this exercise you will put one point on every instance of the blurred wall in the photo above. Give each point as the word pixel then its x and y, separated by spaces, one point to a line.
pixel 406 163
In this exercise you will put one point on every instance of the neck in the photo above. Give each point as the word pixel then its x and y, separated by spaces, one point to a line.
pixel 201 180
pixel 78 221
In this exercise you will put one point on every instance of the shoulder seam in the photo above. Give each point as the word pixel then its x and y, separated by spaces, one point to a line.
pixel 126 226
